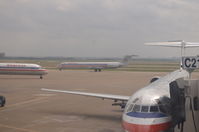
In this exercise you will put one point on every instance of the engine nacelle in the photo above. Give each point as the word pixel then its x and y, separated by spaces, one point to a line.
pixel 121 104
pixel 154 79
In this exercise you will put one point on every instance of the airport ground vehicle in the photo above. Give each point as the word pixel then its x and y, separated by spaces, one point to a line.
pixel 2 101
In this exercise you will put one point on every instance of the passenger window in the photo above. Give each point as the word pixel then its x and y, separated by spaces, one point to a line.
pixel 136 108
pixel 145 109
pixel 130 108
pixel 154 109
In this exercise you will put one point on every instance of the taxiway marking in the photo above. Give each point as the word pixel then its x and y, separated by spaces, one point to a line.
pixel 28 102
pixel 16 128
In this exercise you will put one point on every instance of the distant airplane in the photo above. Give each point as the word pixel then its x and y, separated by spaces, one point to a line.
pixel 160 106
pixel 22 69
pixel 97 66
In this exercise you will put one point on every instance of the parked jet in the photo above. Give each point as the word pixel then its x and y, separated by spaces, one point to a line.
pixel 22 69
pixel 158 107
pixel 97 66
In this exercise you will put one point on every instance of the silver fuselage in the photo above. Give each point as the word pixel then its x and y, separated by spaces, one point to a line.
pixel 139 117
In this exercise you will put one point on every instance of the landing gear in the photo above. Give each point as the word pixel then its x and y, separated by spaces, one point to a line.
pixel 2 101
pixel 97 70
pixel 41 77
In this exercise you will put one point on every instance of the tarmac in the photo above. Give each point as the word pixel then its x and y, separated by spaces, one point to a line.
pixel 28 109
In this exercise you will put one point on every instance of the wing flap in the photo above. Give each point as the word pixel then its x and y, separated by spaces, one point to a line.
pixel 96 95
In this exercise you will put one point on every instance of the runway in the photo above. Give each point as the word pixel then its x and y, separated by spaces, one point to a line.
pixel 28 109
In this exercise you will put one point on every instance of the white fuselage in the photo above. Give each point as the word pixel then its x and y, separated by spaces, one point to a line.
pixel 89 65
pixel 21 69
pixel 144 112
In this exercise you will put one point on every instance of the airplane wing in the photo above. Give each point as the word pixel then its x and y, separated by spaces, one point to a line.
pixel 96 95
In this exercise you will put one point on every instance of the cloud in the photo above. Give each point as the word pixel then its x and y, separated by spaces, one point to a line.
pixel 64 5
pixel 115 27
pixel 23 1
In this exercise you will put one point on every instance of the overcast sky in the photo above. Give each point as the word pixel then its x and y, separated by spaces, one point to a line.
pixel 96 28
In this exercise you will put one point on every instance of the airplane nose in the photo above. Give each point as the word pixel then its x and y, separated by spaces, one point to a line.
pixel 141 124
pixel 145 128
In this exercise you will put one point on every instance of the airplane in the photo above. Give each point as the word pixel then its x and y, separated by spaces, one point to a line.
pixel 22 69
pixel 97 66
pixel 161 105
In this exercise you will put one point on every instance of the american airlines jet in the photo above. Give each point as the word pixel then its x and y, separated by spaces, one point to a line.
pixel 97 66
pixel 22 69
pixel 164 103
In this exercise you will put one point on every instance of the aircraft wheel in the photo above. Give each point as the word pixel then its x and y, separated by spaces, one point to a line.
pixel 2 101
pixel 41 77
pixel 95 70
pixel 99 70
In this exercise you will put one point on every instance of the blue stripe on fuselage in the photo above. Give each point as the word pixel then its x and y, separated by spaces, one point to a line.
pixel 146 115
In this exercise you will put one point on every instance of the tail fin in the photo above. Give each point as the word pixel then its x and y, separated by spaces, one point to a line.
pixel 178 43
pixel 127 58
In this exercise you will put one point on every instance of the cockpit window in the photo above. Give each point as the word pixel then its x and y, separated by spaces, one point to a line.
pixel 145 109
pixel 129 109
pixel 136 108
pixel 154 109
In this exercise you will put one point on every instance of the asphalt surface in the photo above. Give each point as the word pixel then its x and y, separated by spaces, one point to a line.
pixel 28 109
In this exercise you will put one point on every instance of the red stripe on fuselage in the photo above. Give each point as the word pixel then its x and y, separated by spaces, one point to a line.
pixel 146 128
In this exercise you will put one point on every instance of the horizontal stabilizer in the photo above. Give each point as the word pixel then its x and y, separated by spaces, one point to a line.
pixel 180 44
pixel 192 44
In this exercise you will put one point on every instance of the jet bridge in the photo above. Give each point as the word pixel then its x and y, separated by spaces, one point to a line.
pixel 191 93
